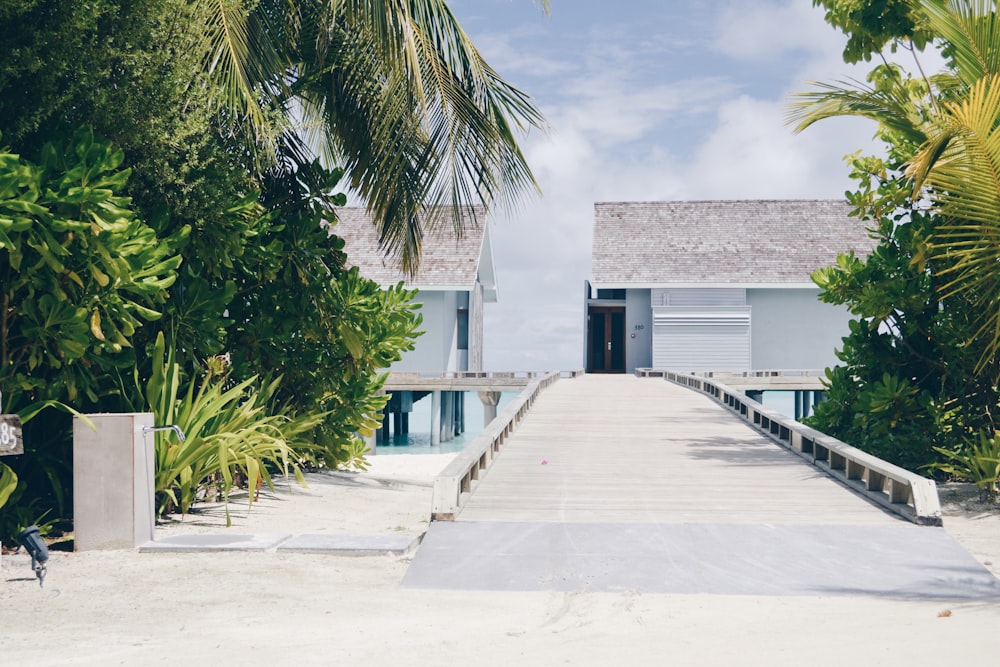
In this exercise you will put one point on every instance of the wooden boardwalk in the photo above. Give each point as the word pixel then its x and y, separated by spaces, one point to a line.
pixel 621 449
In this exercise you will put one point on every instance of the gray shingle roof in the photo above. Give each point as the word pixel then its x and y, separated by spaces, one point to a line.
pixel 721 242
pixel 446 260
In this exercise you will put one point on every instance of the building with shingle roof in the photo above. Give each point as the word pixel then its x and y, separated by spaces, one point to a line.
pixel 716 285
pixel 455 278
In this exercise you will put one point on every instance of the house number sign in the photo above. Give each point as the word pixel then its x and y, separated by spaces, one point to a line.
pixel 10 435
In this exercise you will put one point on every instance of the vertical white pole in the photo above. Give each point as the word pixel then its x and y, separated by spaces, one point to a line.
pixel 436 418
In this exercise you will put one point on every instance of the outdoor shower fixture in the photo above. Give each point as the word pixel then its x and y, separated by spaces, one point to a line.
pixel 172 427
pixel 31 539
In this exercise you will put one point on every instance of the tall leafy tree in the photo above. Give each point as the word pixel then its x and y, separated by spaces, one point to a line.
pixel 79 274
pixel 393 90
pixel 920 364
pixel 943 134
pixel 871 26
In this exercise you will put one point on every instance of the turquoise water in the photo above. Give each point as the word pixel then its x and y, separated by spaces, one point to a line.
pixel 780 401
pixel 418 441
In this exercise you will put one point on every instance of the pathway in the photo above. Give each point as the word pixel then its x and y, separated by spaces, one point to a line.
pixel 622 483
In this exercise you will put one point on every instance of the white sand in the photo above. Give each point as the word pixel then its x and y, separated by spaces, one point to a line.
pixel 122 607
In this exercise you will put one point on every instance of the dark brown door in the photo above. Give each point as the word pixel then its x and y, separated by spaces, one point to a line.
pixel 606 340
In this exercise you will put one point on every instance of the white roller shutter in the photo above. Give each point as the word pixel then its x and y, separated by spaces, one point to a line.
pixel 692 338
pixel 700 297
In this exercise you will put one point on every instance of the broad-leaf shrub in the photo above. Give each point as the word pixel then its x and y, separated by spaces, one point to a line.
pixel 79 274
pixel 233 432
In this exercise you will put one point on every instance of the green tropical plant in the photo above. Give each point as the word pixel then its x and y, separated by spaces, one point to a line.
pixel 402 98
pixel 943 135
pixel 8 482
pixel 231 432
pixel 920 375
pixel 871 26
pixel 80 273
pixel 977 462
pixel 907 381
pixel 330 330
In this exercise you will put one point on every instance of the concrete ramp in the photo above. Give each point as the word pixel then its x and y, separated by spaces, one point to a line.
pixel 898 561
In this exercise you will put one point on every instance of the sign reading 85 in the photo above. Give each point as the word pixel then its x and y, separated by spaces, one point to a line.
pixel 10 435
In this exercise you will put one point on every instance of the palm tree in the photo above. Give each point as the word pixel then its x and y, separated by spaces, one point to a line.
pixel 393 90
pixel 947 129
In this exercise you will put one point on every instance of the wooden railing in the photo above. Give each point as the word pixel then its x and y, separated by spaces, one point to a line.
pixel 459 380
pixel 759 380
pixel 897 489
pixel 459 479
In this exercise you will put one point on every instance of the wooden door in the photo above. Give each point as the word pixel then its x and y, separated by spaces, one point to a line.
pixel 606 340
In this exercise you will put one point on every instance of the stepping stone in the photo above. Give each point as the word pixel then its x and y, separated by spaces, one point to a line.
pixel 213 542
pixel 352 545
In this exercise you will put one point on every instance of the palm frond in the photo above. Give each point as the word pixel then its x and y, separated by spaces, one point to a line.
pixel 244 64
pixel 971 28
pixel 959 166
pixel 893 109
pixel 424 126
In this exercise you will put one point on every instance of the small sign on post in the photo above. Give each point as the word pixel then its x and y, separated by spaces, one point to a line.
pixel 10 435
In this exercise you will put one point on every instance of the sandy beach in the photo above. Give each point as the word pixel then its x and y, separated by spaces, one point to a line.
pixel 274 608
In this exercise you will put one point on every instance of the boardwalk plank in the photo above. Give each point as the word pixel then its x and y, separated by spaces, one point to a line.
pixel 627 449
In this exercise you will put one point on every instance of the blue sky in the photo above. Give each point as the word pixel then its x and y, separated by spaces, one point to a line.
pixel 645 100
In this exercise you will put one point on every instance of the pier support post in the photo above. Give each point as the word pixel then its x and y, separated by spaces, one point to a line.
pixel 448 419
pixel 435 418
pixel 490 400
pixel 383 432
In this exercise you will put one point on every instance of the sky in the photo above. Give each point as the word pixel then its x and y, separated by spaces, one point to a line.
pixel 645 100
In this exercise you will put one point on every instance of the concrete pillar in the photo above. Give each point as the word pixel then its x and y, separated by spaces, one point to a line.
pixel 490 400
pixel 453 417
pixel 406 407
pixel 113 506
pixel 447 416
pixel 383 432
pixel 435 418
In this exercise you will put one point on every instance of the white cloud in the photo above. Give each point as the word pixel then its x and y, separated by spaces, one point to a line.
pixel 752 153
pixel 769 31
pixel 609 107
pixel 645 110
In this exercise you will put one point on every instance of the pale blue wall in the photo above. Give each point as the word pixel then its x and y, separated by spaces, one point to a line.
pixel 638 323
pixel 789 329
pixel 436 350
pixel 792 328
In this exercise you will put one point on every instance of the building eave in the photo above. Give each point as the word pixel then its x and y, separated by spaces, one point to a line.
pixel 701 285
